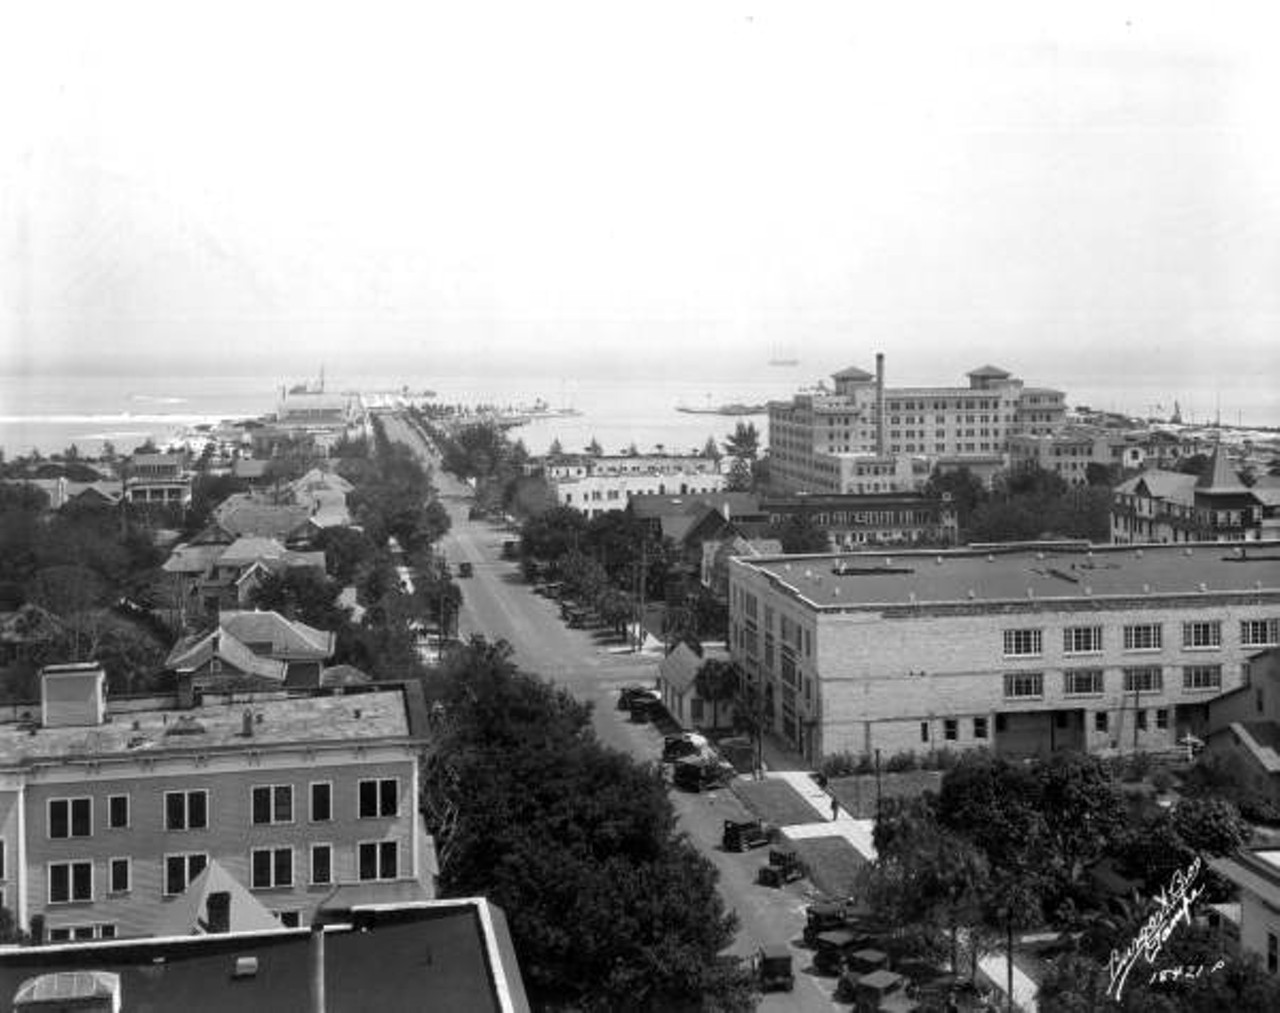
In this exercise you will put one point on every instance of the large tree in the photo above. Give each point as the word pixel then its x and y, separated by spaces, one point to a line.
pixel 716 682
pixel 610 908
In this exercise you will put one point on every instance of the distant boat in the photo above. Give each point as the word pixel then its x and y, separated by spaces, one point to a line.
pixel 781 355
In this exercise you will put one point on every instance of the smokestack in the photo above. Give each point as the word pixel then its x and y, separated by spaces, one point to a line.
pixel 879 404
pixel 317 968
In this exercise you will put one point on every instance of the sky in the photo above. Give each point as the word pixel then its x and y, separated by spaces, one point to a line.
pixel 690 187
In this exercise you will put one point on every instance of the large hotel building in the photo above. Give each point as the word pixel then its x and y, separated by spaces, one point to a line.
pixel 864 437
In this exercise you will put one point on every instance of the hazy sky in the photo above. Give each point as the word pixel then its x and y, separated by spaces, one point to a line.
pixel 580 188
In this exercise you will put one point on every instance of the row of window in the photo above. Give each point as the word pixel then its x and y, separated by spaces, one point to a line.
pixel 1101 723
pixel 1196 635
pixel 269 868
pixel 1092 681
pixel 377 798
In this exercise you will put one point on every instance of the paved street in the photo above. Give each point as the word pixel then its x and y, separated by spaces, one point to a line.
pixel 498 604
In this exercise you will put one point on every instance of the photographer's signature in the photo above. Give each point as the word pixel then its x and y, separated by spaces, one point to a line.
pixel 1174 908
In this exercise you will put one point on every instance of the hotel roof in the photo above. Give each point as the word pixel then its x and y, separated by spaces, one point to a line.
pixel 279 719
pixel 1050 572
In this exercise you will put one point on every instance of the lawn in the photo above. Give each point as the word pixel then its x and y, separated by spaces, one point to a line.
pixel 857 793
pixel 833 864
pixel 774 801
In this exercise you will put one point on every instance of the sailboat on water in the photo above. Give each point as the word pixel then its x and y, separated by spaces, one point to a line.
pixel 783 355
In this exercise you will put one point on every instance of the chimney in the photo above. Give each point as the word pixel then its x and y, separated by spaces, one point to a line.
pixel 186 691
pixel 73 696
pixel 879 404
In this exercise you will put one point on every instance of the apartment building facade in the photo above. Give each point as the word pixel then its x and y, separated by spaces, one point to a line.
pixel 595 485
pixel 1070 451
pixel 812 435
pixel 1025 652
pixel 108 816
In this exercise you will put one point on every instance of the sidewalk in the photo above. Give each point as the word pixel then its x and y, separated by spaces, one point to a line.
pixel 859 833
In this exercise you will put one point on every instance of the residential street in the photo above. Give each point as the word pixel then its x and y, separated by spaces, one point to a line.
pixel 498 604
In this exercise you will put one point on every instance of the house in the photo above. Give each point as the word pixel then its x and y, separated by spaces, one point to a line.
pixel 324 493
pixel 1022 649
pixel 1255 872
pixel 1245 723
pixel 451 954
pixel 216 576
pixel 1069 451
pixel 111 810
pixel 61 491
pixel 158 480
pixel 249 649
pixel 1164 506
pixel 246 513
pixel 677 682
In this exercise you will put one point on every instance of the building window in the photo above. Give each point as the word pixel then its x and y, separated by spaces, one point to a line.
pixel 186 810
pixel 924 731
pixel 70 817
pixel 117 811
pixel 1202 677
pixel 1023 643
pixel 950 729
pixel 273 803
pixel 1162 719
pixel 70 882
pixel 979 728
pixel 1001 723
pixel 1148 679
pixel 1082 682
pixel 1082 640
pixel 1260 632
pixel 378 860
pixel 1024 684
pixel 1142 637
pixel 119 875
pixel 1100 721
pixel 271 868
pixel 321 801
pixel 1202 635
pixel 321 864
pixel 379 798
pixel 180 870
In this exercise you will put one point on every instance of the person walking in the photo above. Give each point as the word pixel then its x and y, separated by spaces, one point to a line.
pixel 835 809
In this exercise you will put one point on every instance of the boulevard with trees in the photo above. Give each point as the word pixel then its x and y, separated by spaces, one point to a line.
pixel 610 906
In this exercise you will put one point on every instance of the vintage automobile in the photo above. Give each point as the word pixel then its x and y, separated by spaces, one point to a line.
pixel 825 915
pixel 773 968
pixel 833 949
pixel 630 694
pixel 743 835
pixel 465 569
pixel 857 965
pixel 883 992
pixel 695 773
pixel 784 867
pixel 676 747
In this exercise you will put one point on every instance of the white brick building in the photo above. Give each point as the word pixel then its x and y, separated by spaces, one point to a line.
pixel 1025 651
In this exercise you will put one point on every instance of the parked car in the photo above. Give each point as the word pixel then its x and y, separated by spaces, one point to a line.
pixel 825 915
pixel 833 949
pixel 883 992
pixel 744 835
pixel 784 867
pixel 696 774
pixel 630 694
pixel 773 969
pixel 675 747
pixel 464 569
pixel 510 549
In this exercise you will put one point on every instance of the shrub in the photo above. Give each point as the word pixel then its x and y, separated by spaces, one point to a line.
pixel 902 761
pixel 840 764
pixel 1162 781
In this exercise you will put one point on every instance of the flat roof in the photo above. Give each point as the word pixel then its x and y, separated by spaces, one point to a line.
pixel 279 719
pixel 1054 571
pixel 447 955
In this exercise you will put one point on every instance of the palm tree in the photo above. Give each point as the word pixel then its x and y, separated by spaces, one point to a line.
pixel 716 680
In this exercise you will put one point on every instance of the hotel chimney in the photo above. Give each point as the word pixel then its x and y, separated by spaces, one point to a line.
pixel 879 404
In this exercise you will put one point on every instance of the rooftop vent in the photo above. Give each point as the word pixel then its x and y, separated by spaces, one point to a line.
pixel 246 724
pixel 185 725
pixel 1088 589
pixel 939 560
pixel 991 557
pixel 1146 588
pixel 73 696
pixel 246 967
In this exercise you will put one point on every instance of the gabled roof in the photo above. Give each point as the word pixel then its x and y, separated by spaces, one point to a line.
pixel 1160 484
pixel 188 915
pixel 240 514
pixel 852 373
pixel 990 372
pixel 195 652
pixel 287 638
pixel 192 558
pixel 679 669
pixel 248 549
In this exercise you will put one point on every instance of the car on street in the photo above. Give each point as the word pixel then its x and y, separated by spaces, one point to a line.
pixel 465 569
pixel 772 966
pixel 742 835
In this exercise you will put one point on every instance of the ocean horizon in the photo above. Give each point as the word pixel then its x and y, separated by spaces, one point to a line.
pixel 50 413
